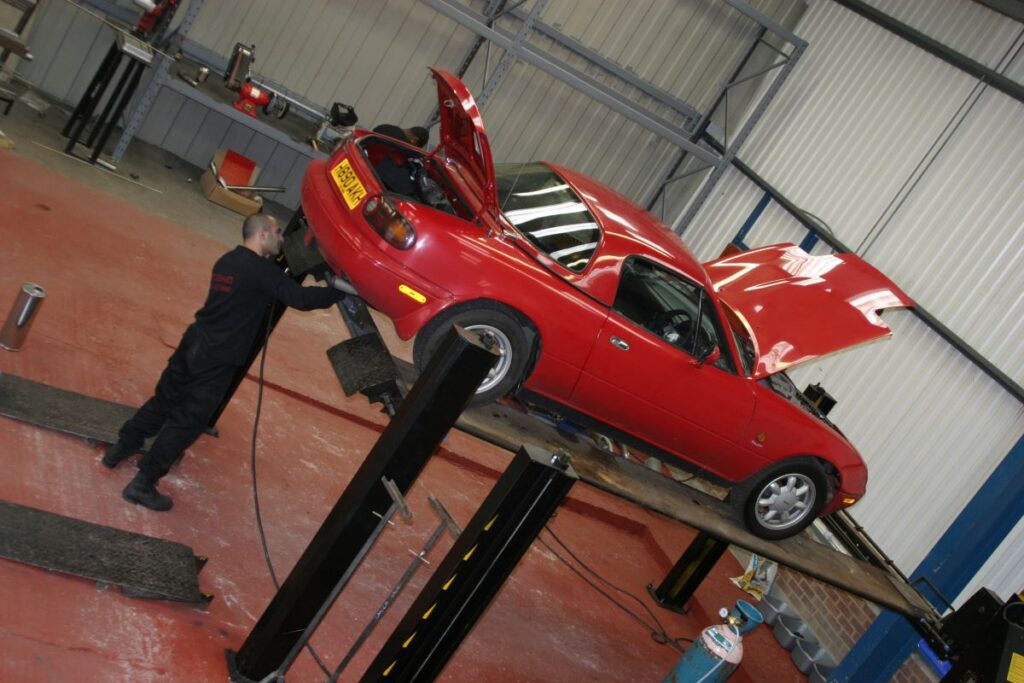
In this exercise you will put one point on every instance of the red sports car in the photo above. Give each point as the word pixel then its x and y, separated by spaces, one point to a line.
pixel 600 311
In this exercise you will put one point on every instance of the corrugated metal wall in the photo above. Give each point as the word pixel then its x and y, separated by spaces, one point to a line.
pixel 918 168
pixel 374 55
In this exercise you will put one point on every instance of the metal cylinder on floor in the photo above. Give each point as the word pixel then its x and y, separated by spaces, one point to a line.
pixel 19 320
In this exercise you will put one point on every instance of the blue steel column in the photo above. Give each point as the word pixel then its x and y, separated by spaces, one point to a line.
pixel 971 539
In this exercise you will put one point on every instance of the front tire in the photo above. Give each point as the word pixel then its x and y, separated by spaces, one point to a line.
pixel 784 499
pixel 498 328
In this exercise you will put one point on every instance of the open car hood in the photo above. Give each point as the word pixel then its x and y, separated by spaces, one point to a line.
pixel 463 135
pixel 799 307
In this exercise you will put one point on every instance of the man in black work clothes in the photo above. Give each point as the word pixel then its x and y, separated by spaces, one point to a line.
pixel 398 177
pixel 244 285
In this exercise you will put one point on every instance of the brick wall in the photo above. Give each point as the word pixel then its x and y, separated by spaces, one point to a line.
pixel 837 620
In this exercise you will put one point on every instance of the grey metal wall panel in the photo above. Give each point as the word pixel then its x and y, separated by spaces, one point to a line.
pixel 260 149
pixel 182 130
pixel 161 117
pixel 278 166
pixel 293 181
pixel 66 65
pixel 103 39
pixel 208 139
pixel 373 55
pixel 50 23
pixel 896 150
pixel 237 138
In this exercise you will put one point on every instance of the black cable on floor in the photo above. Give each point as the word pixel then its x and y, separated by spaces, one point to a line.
pixel 255 488
pixel 659 634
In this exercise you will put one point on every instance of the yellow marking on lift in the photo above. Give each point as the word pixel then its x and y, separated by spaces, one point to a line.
pixel 406 643
pixel 412 294
pixel 449 582
pixel 469 554
pixel 388 670
pixel 426 614
pixel 490 523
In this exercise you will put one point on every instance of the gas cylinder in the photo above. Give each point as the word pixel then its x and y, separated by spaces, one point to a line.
pixel 716 654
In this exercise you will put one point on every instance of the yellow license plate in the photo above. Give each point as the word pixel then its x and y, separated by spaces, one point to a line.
pixel 349 184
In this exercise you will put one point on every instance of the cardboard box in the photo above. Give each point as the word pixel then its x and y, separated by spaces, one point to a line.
pixel 232 169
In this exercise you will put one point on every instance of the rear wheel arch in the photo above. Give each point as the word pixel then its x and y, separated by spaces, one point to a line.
pixel 515 332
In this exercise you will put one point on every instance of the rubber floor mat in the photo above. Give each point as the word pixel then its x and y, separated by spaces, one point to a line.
pixel 142 566
pixel 64 411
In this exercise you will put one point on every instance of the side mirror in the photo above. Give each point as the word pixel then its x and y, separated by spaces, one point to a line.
pixel 711 357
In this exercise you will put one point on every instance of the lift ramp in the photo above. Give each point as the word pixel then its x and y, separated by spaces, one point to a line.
pixel 508 427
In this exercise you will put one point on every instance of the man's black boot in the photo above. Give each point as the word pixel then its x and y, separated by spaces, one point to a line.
pixel 115 454
pixel 142 491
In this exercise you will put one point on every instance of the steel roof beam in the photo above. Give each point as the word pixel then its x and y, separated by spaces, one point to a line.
pixel 573 77
pixel 937 49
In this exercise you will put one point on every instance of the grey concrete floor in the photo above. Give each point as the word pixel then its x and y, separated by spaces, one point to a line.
pixel 147 177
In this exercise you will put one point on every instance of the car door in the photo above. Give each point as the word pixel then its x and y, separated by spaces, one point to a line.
pixel 643 376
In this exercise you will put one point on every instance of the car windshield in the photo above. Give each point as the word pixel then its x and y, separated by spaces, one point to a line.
pixel 548 212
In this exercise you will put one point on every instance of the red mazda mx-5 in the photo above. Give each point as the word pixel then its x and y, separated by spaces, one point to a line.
pixel 600 311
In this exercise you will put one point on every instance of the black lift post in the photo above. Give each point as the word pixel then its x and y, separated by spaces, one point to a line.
pixel 689 572
pixel 140 56
pixel 475 568
pixel 424 418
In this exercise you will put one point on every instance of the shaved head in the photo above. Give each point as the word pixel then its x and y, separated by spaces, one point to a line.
pixel 256 223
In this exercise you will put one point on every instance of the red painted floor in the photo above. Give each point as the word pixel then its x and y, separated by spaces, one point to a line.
pixel 122 285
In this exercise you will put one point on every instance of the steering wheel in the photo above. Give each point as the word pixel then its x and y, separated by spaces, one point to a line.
pixel 674 326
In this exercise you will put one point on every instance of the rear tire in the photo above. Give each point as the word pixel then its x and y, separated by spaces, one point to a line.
pixel 784 499
pixel 498 327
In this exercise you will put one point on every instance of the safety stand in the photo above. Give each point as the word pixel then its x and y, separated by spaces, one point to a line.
pixel 689 572
pixel 475 568
pixel 140 55
pixel 446 523
pixel 403 449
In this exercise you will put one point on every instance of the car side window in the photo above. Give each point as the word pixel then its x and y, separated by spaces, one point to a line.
pixel 671 307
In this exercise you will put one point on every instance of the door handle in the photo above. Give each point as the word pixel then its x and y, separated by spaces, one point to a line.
pixel 620 343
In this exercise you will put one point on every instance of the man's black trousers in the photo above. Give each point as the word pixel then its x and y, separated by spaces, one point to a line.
pixel 190 389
